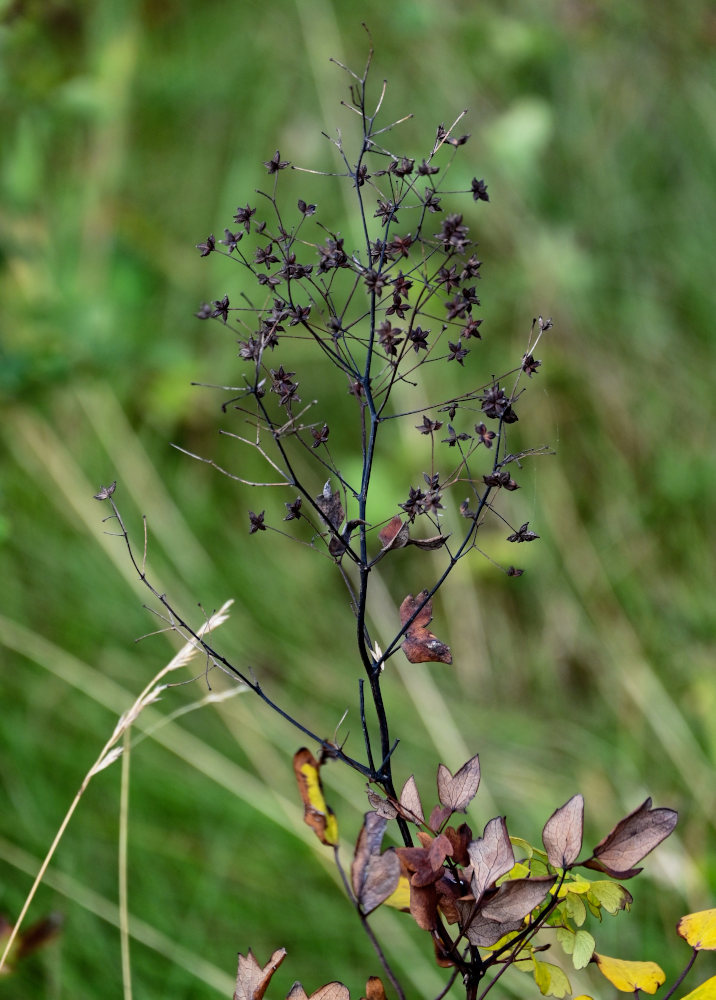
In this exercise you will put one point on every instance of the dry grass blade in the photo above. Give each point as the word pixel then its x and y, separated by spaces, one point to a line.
pixel 109 753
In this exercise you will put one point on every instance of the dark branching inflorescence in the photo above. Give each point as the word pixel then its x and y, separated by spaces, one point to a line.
pixel 389 320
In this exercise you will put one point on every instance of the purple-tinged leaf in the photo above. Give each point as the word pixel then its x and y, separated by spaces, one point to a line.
pixel 480 930
pixel 374 876
pixel 562 834
pixel 457 791
pixel 491 856
pixel 517 897
pixel 631 840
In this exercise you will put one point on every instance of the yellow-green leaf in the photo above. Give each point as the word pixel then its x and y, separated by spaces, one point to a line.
pixel 584 945
pixel 612 896
pixel 520 870
pixel 699 929
pixel 565 937
pixel 575 908
pixel 630 976
pixel 523 845
pixel 551 980
pixel 399 899
pixel 706 991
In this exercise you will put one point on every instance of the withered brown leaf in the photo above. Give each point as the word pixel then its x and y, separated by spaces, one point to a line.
pixel 251 980
pixel 395 534
pixel 517 897
pixel 382 806
pixel 631 840
pixel 480 930
pixel 420 645
pixel 424 906
pixel 331 991
pixel 457 791
pixel 374 876
pixel 562 833
pixel 491 856
pixel 435 542
pixel 331 508
pixel 410 801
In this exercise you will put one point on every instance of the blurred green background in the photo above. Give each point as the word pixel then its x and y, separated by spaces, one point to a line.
pixel 132 129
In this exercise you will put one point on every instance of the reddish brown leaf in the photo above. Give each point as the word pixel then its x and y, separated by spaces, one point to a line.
pixel 251 980
pixel 410 801
pixel 424 906
pixel 631 840
pixel 459 839
pixel 395 534
pixel 439 849
pixel 374 876
pixel 374 989
pixel 517 897
pixel 491 856
pixel 449 890
pixel 457 792
pixel 420 645
pixel 438 816
pixel 562 834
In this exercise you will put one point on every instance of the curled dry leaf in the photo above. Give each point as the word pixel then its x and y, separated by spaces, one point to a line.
pixel 331 508
pixel 316 813
pixel 436 542
pixel 420 645
pixel 382 806
pixel 491 856
pixel 252 980
pixel 395 534
pixel 374 876
pixel 457 791
pixel 631 840
pixel 562 833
